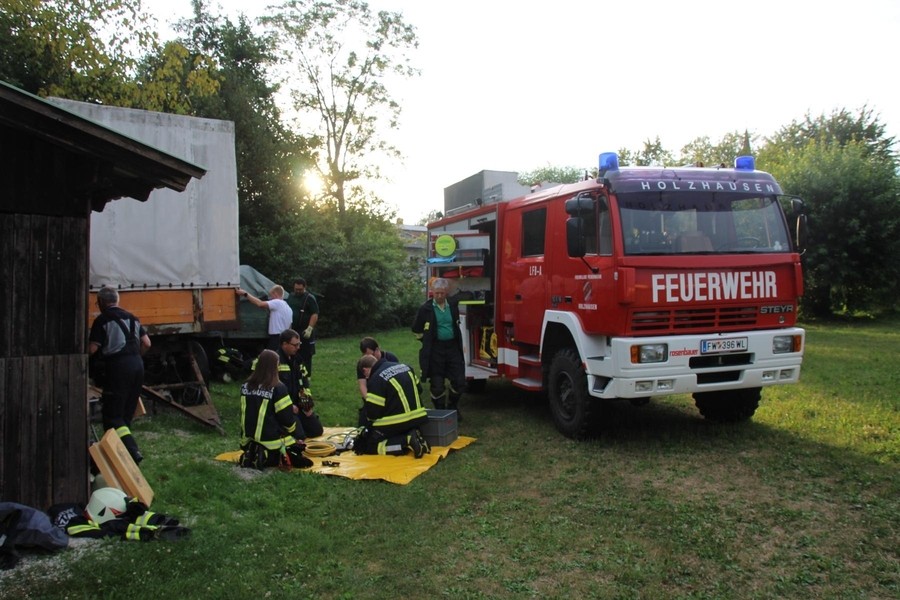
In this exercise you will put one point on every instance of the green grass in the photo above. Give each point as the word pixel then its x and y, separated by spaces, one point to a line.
pixel 801 502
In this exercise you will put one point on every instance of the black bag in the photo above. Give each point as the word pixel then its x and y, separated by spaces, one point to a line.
pixel 294 457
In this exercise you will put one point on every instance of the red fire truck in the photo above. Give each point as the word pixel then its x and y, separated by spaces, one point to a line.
pixel 643 282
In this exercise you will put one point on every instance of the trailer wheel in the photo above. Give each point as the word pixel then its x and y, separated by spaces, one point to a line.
pixel 728 406
pixel 202 360
pixel 570 404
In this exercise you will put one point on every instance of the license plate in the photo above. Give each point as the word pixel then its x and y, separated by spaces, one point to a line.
pixel 723 345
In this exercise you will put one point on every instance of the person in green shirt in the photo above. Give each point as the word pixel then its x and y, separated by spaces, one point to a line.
pixel 441 356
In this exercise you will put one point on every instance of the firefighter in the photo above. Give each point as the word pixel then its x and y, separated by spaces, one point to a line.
pixel 268 424
pixel 441 356
pixel 393 410
pixel 293 375
pixel 121 340
pixel 305 316
pixel 368 346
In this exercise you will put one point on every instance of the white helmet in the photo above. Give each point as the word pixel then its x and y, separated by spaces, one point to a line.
pixel 106 503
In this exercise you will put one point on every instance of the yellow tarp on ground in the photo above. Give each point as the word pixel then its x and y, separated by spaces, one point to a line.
pixel 395 469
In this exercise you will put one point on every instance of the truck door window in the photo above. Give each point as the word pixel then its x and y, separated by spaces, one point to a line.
pixel 605 227
pixel 534 225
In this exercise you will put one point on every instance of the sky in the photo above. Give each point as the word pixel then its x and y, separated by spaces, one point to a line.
pixel 515 86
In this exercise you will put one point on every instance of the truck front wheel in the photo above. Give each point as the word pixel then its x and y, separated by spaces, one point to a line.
pixel 728 406
pixel 570 403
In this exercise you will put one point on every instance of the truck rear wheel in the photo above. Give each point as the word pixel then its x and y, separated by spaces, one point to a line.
pixel 570 403
pixel 728 406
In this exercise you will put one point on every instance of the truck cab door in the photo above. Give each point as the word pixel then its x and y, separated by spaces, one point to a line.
pixel 525 288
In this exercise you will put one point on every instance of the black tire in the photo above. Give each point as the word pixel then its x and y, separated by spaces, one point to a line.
pixel 476 386
pixel 192 393
pixel 202 360
pixel 570 404
pixel 729 406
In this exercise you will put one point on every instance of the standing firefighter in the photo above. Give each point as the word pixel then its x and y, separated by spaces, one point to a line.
pixel 305 311
pixel 441 355
pixel 121 340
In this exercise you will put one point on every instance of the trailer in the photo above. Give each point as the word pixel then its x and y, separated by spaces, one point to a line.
pixel 174 260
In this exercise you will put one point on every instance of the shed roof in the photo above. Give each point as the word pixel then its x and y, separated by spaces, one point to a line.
pixel 136 168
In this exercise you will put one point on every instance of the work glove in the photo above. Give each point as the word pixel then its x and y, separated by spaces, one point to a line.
pixel 307 332
pixel 306 403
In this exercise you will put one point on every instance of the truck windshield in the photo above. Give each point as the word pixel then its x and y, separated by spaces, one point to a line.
pixel 701 223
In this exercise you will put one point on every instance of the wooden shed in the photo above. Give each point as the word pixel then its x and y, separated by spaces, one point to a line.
pixel 56 167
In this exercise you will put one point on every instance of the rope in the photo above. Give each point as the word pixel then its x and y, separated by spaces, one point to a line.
pixel 317 448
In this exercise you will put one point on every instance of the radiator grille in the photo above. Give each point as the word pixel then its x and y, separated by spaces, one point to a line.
pixel 692 320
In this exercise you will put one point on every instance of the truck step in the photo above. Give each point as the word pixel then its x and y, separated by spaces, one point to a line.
pixel 532 360
pixel 532 385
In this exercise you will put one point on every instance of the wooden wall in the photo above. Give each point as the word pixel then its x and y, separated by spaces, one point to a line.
pixel 43 364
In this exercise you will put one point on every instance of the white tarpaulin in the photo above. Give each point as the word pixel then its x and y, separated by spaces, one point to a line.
pixel 187 239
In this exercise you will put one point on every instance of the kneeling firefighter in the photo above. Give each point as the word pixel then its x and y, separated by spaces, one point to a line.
pixel 269 429
pixel 393 410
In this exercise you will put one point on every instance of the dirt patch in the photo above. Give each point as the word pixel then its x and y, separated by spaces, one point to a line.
pixel 42 566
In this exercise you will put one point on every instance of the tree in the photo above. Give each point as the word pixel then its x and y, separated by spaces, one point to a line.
pixel 364 281
pixel 840 127
pixel 847 174
pixel 701 151
pixel 270 158
pixel 173 80
pixel 432 216
pixel 77 49
pixel 345 56
pixel 552 175
pixel 653 153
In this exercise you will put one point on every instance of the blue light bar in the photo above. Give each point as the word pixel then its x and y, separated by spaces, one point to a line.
pixel 744 163
pixel 609 161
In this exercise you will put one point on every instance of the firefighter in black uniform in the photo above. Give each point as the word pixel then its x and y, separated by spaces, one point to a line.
pixel 393 409
pixel 269 426
pixel 292 373
pixel 305 317
pixel 121 340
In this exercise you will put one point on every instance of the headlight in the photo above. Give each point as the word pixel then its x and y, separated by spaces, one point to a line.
pixel 650 353
pixel 782 344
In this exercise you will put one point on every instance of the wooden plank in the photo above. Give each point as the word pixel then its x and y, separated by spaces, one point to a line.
pixel 30 440
pixel 46 444
pixel 203 413
pixel 20 280
pixel 218 306
pixel 70 427
pixel 67 276
pixel 44 309
pixel 7 261
pixel 105 466
pixel 118 468
pixel 4 422
pixel 155 307
pixel 12 433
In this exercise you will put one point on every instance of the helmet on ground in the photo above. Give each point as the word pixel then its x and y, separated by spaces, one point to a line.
pixel 106 503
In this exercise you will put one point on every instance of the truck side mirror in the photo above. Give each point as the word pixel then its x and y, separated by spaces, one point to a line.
pixel 575 236
pixel 798 214
pixel 580 205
